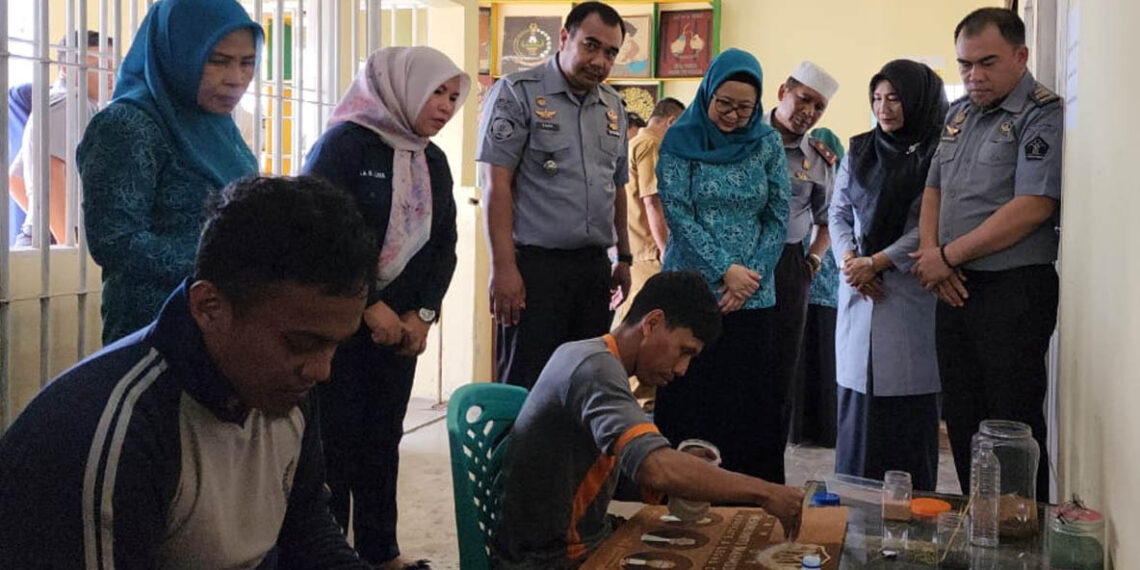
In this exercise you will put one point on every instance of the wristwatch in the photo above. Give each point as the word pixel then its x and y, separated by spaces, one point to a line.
pixel 815 261
pixel 426 315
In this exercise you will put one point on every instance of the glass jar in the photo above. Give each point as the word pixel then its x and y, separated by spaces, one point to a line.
pixel 1076 538
pixel 1018 454
pixel 897 490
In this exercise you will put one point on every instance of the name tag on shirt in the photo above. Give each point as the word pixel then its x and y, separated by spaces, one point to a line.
pixel 547 126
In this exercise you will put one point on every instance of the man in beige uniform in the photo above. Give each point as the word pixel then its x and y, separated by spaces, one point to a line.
pixel 645 217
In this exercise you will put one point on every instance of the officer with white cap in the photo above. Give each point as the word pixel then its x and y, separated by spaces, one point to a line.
pixel 811 167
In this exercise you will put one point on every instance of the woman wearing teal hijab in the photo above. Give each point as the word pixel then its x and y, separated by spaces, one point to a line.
pixel 723 181
pixel 167 140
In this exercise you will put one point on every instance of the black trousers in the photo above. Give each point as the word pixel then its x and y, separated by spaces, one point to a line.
pixel 991 358
pixel 567 298
pixel 883 433
pixel 362 417
pixel 793 284
pixel 730 396
pixel 813 394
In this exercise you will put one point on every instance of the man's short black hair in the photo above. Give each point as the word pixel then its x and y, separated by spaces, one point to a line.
pixel 1008 23
pixel 92 43
pixel 609 16
pixel 686 300
pixel 634 120
pixel 668 107
pixel 260 231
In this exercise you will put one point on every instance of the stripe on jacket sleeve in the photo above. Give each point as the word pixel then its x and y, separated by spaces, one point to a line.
pixel 119 406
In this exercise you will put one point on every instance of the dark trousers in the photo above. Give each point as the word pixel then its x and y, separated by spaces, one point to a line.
pixel 362 417
pixel 991 358
pixel 793 283
pixel 567 298
pixel 813 394
pixel 730 397
pixel 883 433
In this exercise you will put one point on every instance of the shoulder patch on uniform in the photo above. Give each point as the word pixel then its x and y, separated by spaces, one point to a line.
pixel 1042 95
pixel 1036 149
pixel 823 150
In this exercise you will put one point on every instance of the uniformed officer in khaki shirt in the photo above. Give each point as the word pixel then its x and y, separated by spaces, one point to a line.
pixel 552 153
pixel 803 98
pixel 988 237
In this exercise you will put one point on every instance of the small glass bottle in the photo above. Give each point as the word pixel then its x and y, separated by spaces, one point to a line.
pixel 897 490
pixel 985 495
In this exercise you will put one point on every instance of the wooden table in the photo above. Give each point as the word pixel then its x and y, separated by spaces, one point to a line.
pixel 731 539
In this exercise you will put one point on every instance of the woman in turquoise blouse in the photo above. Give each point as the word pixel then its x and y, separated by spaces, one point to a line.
pixel 723 181
pixel 167 140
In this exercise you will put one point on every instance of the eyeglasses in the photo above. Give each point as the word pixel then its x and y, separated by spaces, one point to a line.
pixel 726 106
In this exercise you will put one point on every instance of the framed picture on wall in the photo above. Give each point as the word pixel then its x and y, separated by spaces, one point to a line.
pixel 636 51
pixel 527 41
pixel 485 40
pixel 684 43
pixel 639 98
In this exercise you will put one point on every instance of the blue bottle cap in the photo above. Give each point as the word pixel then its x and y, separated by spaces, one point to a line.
pixel 811 561
pixel 825 499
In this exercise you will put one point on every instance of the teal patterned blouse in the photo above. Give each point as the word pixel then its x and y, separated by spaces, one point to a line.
pixel 825 285
pixel 721 214
pixel 142 209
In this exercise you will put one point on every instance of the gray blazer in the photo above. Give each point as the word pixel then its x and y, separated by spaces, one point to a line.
pixel 897 333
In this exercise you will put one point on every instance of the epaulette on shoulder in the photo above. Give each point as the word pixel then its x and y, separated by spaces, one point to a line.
pixel 532 74
pixel 823 150
pixel 1042 95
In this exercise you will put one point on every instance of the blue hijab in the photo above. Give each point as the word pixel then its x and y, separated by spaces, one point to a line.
pixel 695 137
pixel 161 73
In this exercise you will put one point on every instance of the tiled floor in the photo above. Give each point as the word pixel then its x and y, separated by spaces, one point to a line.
pixel 427 514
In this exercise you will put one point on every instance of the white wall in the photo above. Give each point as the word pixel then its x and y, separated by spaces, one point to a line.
pixel 64 320
pixel 1100 303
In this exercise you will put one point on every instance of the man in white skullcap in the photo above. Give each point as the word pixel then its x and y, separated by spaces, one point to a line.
pixel 811 168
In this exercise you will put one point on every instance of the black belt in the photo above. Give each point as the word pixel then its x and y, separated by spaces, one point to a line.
pixel 581 253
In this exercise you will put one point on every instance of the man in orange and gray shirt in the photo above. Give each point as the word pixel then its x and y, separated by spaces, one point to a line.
pixel 645 217
pixel 581 429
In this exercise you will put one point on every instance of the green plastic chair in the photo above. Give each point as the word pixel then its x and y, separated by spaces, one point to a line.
pixel 479 417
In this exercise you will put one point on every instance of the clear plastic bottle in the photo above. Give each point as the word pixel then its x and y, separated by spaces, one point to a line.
pixel 985 495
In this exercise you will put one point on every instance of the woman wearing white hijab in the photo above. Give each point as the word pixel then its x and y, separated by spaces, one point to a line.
pixel 377 148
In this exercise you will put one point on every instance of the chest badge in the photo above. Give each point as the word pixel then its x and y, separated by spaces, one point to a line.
pixel 952 131
pixel 611 115
pixel 807 164
pixel 550 167
pixel 801 176
pixel 540 100
pixel 1006 127
pixel 959 118
pixel 545 114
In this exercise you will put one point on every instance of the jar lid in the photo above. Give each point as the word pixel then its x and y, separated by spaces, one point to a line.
pixel 811 561
pixel 925 507
pixel 1077 518
pixel 825 499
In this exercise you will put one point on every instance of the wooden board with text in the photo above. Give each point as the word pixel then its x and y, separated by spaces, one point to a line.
pixel 728 539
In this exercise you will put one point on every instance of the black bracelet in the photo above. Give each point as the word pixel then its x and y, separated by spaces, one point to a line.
pixel 625 258
pixel 942 252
